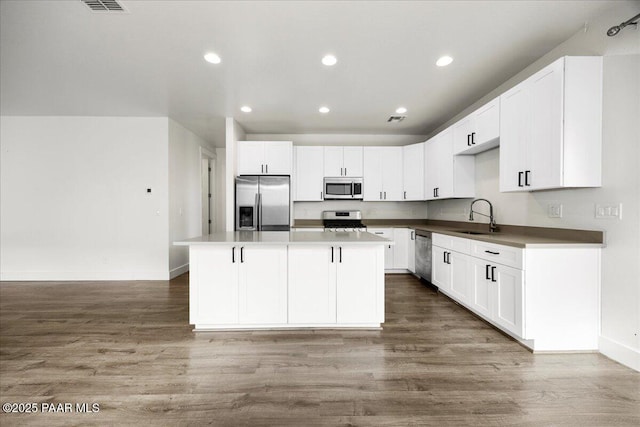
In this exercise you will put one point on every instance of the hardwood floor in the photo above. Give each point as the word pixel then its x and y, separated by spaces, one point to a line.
pixel 127 346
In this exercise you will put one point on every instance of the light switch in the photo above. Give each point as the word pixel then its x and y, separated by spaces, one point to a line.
pixel 609 211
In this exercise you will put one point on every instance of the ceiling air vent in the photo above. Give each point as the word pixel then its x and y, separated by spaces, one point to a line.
pixel 104 5
pixel 396 119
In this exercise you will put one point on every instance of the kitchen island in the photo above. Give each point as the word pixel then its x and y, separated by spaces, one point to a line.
pixel 275 279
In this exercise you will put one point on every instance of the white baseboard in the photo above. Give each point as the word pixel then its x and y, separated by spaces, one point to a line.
pixel 74 276
pixel 619 352
pixel 178 271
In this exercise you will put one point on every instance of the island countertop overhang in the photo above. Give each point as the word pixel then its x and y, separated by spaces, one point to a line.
pixel 286 238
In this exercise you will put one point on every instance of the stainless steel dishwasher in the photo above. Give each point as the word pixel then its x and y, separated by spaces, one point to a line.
pixel 423 254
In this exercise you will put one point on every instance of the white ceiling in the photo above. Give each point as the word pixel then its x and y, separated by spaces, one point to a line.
pixel 59 58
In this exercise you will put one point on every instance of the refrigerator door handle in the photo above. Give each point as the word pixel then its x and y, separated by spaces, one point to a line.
pixel 259 224
pixel 256 210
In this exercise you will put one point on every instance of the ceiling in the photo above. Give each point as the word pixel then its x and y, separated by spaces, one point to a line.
pixel 59 58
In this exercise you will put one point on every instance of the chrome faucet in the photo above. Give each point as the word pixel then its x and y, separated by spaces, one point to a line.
pixel 492 223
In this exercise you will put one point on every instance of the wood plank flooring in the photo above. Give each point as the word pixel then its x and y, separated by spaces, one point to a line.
pixel 127 346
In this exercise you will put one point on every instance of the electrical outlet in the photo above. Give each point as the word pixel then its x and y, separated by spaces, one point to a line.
pixel 609 211
pixel 554 210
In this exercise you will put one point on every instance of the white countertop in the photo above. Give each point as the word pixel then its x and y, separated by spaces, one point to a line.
pixel 286 238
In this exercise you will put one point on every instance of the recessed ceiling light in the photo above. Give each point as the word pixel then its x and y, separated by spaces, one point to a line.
pixel 329 60
pixel 401 110
pixel 324 110
pixel 245 109
pixel 444 61
pixel 212 58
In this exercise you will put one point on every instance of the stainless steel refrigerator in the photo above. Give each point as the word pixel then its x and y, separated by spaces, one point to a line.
pixel 262 203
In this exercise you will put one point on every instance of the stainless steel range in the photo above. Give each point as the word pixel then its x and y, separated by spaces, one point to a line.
pixel 343 221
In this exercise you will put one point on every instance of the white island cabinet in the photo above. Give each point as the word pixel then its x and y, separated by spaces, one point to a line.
pixel 302 279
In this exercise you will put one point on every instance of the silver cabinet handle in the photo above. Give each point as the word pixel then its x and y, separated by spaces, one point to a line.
pixel 345 171
pixel 385 195
pixel 381 195
pixel 340 171
pixel 242 254
pixel 405 194
pixel 261 168
pixel 233 254
pixel 266 168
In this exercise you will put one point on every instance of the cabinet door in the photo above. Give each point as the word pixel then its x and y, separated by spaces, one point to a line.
pixel 544 148
pixel 480 293
pixel 461 276
pixel 431 168
pixel 352 161
pixel 309 173
pixel 514 133
pixel 312 284
pixel 372 177
pixel 487 122
pixel 401 248
pixel 411 261
pixel 277 157
pixel 263 285
pixel 213 285
pixel 356 285
pixel 413 171
pixel 441 271
pixel 507 298
pixel 444 156
pixel 462 134
pixel 250 158
pixel 333 165
pixel 392 174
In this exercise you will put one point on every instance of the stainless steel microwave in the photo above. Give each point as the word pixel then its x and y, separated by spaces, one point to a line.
pixel 343 188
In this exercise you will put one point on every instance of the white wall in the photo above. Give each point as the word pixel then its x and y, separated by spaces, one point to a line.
pixel 74 204
pixel 185 192
pixel 234 133
pixel 620 289
pixel 221 189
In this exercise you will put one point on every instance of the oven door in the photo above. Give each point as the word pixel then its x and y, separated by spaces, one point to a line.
pixel 336 188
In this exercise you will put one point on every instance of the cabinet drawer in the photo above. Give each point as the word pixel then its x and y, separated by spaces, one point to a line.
pixel 505 255
pixel 452 243
pixel 387 233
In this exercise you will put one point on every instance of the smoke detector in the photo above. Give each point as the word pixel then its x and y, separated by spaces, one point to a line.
pixel 104 5
pixel 396 119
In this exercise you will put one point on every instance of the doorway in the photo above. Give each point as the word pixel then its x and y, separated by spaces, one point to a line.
pixel 208 185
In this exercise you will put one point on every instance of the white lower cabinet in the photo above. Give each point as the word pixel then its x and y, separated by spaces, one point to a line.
pixel 263 285
pixel 213 292
pixel 312 284
pixel 358 295
pixel 335 284
pixel 497 294
pixel 451 273
pixel 401 238
pixel 238 285
pixel 546 297
pixel 411 262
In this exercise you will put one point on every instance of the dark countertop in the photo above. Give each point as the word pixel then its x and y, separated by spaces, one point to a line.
pixel 510 235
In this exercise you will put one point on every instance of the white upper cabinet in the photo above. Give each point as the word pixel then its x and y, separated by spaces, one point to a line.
pixel 479 131
pixel 413 171
pixel 551 128
pixel 264 158
pixel 446 175
pixel 343 161
pixel 383 174
pixel 308 172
